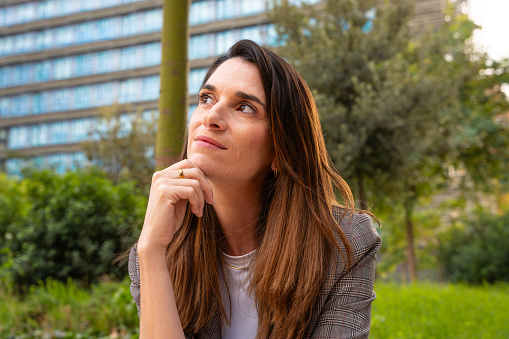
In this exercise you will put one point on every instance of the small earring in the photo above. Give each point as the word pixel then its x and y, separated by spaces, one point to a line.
pixel 275 172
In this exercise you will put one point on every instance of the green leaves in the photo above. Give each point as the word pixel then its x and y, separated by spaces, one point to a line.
pixel 477 252
pixel 400 106
pixel 73 225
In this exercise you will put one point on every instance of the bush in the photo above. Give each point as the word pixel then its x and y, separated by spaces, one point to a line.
pixel 71 225
pixel 478 252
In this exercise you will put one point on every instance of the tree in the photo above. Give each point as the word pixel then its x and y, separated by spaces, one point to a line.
pixel 174 69
pixel 389 101
pixel 122 143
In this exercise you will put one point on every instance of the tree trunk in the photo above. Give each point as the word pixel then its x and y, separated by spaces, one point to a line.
pixel 362 195
pixel 410 252
pixel 173 96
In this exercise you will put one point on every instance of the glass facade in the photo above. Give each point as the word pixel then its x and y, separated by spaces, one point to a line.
pixel 40 10
pixel 81 33
pixel 91 95
pixel 80 97
pixel 60 162
pixel 120 59
pixel 62 132
pixel 200 12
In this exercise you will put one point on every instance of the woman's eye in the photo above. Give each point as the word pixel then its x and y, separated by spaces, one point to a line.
pixel 246 108
pixel 205 99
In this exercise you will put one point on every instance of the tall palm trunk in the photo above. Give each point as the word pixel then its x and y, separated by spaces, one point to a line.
pixel 174 70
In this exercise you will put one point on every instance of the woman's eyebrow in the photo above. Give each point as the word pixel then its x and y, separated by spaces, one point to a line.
pixel 207 86
pixel 241 94
pixel 250 97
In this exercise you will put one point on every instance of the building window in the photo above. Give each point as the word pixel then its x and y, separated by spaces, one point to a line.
pixel 224 40
pixel 251 33
pixel 64 36
pixel 62 100
pixel 226 9
pixel 43 71
pixel 46 101
pixel 58 162
pixel 86 32
pixel 39 135
pixel 151 88
pixel 82 97
pixel 63 68
pixel 130 24
pixel 59 132
pixel 18 137
pixel 36 103
pixel 195 80
pixel 4 107
pixel 104 29
pixel 201 46
pixel 83 64
pixel 130 90
pixel 128 58
pixel 153 21
pixel 152 54
pixel 249 7
pixel 80 129
pixel 202 11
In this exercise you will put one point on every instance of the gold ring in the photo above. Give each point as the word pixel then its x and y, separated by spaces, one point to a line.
pixel 181 173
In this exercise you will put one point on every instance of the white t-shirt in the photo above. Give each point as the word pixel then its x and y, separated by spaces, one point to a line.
pixel 244 318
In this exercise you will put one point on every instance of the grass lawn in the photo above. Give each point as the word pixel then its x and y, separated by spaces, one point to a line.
pixel 428 310
pixel 423 310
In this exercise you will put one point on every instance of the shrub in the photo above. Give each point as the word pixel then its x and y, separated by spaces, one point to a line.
pixel 73 225
pixel 478 252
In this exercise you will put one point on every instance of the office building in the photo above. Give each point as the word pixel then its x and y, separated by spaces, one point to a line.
pixel 60 60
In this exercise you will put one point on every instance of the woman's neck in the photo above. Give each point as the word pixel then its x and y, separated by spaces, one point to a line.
pixel 237 210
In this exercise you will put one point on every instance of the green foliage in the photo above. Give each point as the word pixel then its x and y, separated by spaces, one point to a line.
pixel 64 310
pixel 477 252
pixel 392 253
pixel 123 143
pixel 439 311
pixel 71 225
pixel 398 108
pixel 385 98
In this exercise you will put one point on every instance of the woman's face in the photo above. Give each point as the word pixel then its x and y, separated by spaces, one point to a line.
pixel 229 134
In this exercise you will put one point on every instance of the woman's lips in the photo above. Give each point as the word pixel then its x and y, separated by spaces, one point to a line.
pixel 208 142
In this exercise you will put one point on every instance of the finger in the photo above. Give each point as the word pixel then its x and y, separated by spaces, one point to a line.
pixel 195 184
pixel 197 174
pixel 192 172
pixel 177 193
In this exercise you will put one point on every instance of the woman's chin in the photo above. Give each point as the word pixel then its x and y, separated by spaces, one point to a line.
pixel 204 163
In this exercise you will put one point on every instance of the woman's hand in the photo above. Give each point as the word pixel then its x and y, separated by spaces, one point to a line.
pixel 169 195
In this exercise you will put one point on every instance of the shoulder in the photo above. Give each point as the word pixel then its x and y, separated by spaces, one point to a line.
pixel 359 231
pixel 343 307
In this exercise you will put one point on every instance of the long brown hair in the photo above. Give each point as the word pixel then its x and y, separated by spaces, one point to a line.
pixel 296 231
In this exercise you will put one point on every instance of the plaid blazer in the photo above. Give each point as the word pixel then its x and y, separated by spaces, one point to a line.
pixel 343 308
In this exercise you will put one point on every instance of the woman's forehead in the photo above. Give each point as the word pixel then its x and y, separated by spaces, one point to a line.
pixel 239 75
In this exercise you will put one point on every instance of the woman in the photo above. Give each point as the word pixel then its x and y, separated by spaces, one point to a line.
pixel 244 238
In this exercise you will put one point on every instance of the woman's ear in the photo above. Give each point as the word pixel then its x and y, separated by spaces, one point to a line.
pixel 273 166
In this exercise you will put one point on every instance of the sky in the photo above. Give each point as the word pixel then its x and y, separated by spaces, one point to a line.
pixel 493 16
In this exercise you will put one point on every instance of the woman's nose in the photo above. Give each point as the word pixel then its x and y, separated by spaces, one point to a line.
pixel 213 118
